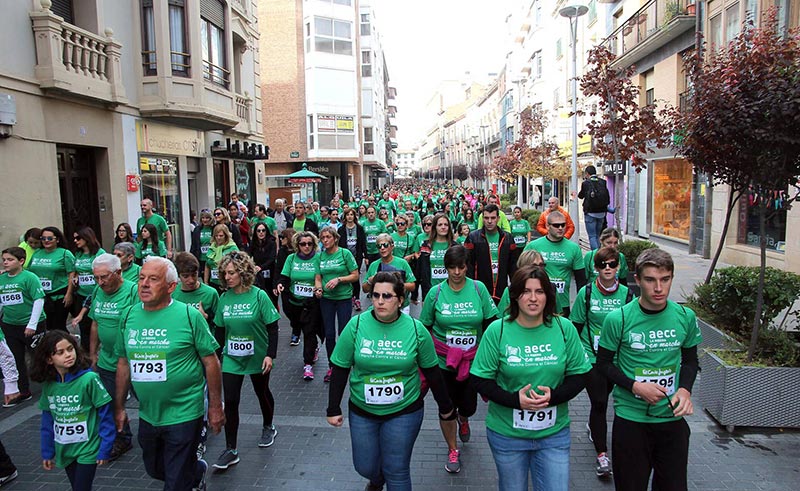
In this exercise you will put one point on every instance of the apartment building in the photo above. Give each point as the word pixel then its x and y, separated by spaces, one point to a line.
pixel 406 162
pixel 112 102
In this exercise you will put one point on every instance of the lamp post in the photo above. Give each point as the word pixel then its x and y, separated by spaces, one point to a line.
pixel 572 12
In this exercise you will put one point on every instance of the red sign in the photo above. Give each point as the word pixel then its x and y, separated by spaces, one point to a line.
pixel 132 182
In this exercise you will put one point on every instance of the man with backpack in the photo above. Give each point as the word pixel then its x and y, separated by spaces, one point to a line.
pixel 594 193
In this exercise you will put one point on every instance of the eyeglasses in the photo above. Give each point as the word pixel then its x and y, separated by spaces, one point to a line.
pixel 558 225
pixel 385 296
pixel 47 239
pixel 105 277
pixel 217 214
pixel 609 264
pixel 385 245
pixel 262 231
pixel 76 237
pixel 305 244
pixel 400 223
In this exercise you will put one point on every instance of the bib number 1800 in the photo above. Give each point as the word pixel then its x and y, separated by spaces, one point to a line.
pixel 535 420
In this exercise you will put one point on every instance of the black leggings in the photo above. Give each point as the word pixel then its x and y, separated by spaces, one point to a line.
pixel 598 386
pixel 56 314
pixel 232 385
pixel 85 325
pixel 310 343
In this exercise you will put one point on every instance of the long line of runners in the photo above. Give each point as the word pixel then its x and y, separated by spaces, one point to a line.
pixel 496 320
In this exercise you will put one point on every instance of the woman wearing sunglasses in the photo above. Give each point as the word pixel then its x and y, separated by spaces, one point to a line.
pixel 297 285
pixel 529 364
pixel 382 352
pixel 608 238
pixel 223 217
pixel 87 248
pixel 353 238
pixel 405 242
pixel 388 262
pixel 594 302
pixel 201 238
pixel 221 244
pixel 430 268
pixel 54 264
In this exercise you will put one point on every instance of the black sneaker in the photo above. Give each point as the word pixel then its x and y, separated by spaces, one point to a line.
pixel 8 478
pixel 22 397
pixel 295 341
pixel 268 435
pixel 373 487
pixel 228 458
pixel 203 468
pixel 120 447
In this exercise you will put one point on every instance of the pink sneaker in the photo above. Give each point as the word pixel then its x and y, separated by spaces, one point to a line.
pixel 308 372
pixel 328 376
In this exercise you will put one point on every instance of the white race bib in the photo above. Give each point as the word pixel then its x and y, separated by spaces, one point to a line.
pixel 351 242
pixel 665 377
pixel 371 239
pixel 47 285
pixel 214 274
pixel 149 370
pixel 204 249
pixel 385 393
pixel 559 286
pixel 85 280
pixel 301 290
pixel 439 273
pixel 535 420
pixel 461 342
pixel 75 432
pixel 14 298
pixel 520 239
pixel 494 268
pixel 241 347
pixel 596 342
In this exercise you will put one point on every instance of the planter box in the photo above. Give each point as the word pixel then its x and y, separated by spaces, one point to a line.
pixel 713 338
pixel 749 396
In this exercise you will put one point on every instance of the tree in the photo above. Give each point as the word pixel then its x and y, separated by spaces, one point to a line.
pixel 478 172
pixel 743 125
pixel 460 172
pixel 619 126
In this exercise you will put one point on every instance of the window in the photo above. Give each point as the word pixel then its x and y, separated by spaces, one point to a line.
pixel 749 227
pixel 365 27
pixel 559 52
pixel 311 132
pixel 63 8
pixel 366 63
pixel 212 38
pixel 369 148
pixel 336 132
pixel 367 101
pixel 650 96
pixel 308 37
pixel 333 36
pixel 339 2
pixel 536 65
pixel 592 11
pixel 715 31
pixel 148 39
pixel 179 52
pixel 556 98
pixel 732 23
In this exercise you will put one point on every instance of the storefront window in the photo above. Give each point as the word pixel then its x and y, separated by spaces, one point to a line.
pixel 245 183
pixel 160 183
pixel 748 227
pixel 672 190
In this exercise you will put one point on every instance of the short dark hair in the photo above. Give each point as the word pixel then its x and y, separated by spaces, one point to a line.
pixel 185 262
pixel 605 254
pixel 657 258
pixel 17 252
pixel 33 232
pixel 591 170
pixel 491 208
pixel 394 278
pixel 456 256
pixel 517 287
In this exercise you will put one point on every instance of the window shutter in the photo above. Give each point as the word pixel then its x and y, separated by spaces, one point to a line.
pixel 63 8
pixel 213 11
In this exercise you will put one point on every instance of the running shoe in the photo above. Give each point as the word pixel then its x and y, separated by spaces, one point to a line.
pixel 268 435
pixel 453 465
pixel 202 467
pixel 463 430
pixel 228 458
pixel 358 309
pixel 308 372
pixel 328 375
pixel 201 450
pixel 295 340
pixel 373 487
pixel 316 354
pixel 119 447
pixel 8 478
pixel 603 468
pixel 22 397
pixel 589 433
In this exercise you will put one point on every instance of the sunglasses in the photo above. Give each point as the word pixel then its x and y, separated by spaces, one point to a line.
pixel 385 245
pixel 384 296
pixel 262 231
pixel 428 224
pixel 667 416
pixel 609 264
pixel 305 244
pixel 217 214
pixel 75 237
pixel 559 225
pixel 400 223
pixel 47 239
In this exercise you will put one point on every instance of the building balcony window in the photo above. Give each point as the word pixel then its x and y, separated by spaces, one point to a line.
pixel 74 61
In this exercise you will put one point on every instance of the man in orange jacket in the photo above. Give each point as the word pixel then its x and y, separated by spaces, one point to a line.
pixel 552 205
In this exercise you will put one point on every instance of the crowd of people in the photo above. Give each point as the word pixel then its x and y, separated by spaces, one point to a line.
pixel 180 331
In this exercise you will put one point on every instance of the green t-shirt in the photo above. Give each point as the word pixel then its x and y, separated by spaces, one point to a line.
pixel 472 224
pixel 164 349
pixel 438 271
pixel 205 242
pixel 301 274
pixel 397 264
pixel 245 317
pixel 387 204
pixel 17 294
pixel 132 273
pixel 372 230
pixel 339 264
pixel 158 221
pixel 592 274
pixel 648 349
pixel 561 259
pixel 460 239
pixel 385 359
pixel 204 296
pixel 76 424
pixel 106 311
pixel 83 267
pixel 600 306
pixel 214 258
pixel 493 240
pixel 142 252
pixel 519 231
pixel 515 356
pixel 53 269
pixel 404 244
pixel 267 220
pixel 457 317
pixel 502 305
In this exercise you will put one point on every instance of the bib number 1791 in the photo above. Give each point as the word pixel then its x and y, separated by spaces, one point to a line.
pixel 535 420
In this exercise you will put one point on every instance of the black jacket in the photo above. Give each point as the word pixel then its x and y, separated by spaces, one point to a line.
pixel 280 260
pixel 288 216
pixel 586 188
pixel 264 257
pixel 361 242
pixel 479 264
pixel 423 271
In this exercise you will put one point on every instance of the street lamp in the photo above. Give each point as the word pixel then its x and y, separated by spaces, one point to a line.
pixel 572 12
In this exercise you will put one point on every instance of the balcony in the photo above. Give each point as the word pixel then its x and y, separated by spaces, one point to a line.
pixel 75 62
pixel 241 7
pixel 654 25
pixel 244 111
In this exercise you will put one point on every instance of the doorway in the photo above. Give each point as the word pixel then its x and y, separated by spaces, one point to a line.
pixel 77 182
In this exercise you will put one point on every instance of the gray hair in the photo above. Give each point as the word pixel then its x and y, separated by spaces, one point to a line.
pixel 172 273
pixel 126 248
pixel 387 237
pixel 110 261
pixel 280 201
pixel 330 229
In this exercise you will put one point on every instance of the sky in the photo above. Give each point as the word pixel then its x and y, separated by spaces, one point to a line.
pixel 427 41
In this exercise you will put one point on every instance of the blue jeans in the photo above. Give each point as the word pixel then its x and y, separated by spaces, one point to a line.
pixel 382 448
pixel 547 460
pixel 331 311
pixel 109 380
pixel 81 476
pixel 594 226
pixel 170 453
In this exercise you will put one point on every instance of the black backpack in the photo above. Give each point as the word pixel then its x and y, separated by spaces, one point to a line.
pixel 597 198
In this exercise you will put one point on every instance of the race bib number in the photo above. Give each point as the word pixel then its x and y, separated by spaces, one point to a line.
pixel 371 239
pixel 389 391
pixel 665 377
pixel 559 286
pixel 351 242
pixel 596 341
pixel 85 279
pixel 535 420
pixel 204 249
pixel 520 239
pixel 74 432
pixel 438 273
pixel 47 285
pixel 154 370
pixel 461 342
pixel 301 290
pixel 14 298
pixel 241 347
pixel 214 274
pixel 494 268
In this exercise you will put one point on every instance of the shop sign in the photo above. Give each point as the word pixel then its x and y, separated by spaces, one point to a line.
pixel 169 140
pixel 294 155
pixel 614 168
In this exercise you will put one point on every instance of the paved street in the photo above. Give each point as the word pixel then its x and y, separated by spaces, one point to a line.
pixel 309 454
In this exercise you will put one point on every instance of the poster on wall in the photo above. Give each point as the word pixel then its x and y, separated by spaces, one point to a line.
pixel 243 182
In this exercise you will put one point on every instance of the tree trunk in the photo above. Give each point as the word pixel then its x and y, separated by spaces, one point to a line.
pixel 733 197
pixel 762 231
